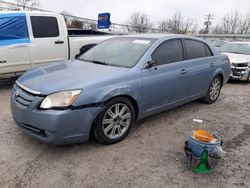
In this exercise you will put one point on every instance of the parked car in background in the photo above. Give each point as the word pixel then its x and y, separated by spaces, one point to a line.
pixel 118 81
pixel 239 55
pixel 218 43
pixel 30 39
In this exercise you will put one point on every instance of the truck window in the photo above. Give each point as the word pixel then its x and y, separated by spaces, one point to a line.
pixel 13 29
pixel 44 27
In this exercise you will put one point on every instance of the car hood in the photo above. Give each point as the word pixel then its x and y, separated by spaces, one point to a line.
pixel 238 58
pixel 66 75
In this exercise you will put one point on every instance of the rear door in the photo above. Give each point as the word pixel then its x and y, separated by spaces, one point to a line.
pixel 199 65
pixel 14 42
pixel 167 82
pixel 49 44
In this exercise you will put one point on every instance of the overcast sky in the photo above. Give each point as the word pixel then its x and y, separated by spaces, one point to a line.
pixel 157 10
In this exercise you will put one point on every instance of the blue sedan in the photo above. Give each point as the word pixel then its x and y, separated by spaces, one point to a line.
pixel 115 83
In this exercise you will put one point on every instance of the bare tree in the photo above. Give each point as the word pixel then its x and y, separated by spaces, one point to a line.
pixel 216 30
pixel 233 23
pixel 139 23
pixel 26 4
pixel 178 24
pixel 244 24
pixel 75 23
pixel 164 26
pixel 66 16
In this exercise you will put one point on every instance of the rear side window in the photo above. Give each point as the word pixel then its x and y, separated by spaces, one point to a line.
pixel 195 49
pixel 13 29
pixel 208 50
pixel 44 27
pixel 168 52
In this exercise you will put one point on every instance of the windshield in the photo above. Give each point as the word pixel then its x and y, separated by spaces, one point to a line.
pixel 120 51
pixel 236 48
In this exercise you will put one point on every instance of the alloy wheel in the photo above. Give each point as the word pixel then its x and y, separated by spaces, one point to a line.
pixel 116 121
pixel 215 89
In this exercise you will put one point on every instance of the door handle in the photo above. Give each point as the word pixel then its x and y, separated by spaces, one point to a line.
pixel 183 71
pixel 212 65
pixel 59 42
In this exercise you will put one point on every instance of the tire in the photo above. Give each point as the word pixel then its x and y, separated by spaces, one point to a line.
pixel 114 123
pixel 214 90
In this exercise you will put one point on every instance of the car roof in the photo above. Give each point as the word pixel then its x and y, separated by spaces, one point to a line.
pixel 248 43
pixel 29 12
pixel 161 36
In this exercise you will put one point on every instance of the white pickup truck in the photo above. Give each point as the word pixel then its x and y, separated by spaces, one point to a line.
pixel 30 39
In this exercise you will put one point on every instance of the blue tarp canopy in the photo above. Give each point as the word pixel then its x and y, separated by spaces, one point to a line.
pixel 13 29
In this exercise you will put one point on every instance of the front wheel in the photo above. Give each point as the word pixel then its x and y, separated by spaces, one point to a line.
pixel 115 121
pixel 214 90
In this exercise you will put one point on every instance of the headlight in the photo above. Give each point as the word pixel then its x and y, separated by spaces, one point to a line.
pixel 61 99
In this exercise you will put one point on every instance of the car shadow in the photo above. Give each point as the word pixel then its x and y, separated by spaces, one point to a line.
pixel 234 82
pixel 8 82
pixel 92 144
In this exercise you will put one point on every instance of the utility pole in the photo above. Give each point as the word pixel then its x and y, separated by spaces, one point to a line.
pixel 208 21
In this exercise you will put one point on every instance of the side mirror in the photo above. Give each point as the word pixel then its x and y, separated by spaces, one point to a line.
pixel 152 63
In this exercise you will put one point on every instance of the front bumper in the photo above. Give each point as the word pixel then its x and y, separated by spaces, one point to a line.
pixel 240 73
pixel 51 126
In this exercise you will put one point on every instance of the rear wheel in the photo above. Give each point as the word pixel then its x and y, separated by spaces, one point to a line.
pixel 115 121
pixel 214 90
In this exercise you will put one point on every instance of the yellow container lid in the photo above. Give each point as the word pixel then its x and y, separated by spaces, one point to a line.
pixel 203 136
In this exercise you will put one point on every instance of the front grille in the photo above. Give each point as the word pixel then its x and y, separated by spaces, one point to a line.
pixel 22 97
pixel 236 72
pixel 245 65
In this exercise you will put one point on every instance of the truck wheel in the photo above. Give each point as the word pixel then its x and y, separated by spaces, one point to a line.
pixel 114 123
pixel 213 91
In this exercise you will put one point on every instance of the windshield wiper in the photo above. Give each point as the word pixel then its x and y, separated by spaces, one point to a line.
pixel 236 52
pixel 102 63
pixel 94 61
pixel 98 62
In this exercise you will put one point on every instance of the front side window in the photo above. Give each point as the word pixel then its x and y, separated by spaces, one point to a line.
pixel 195 49
pixel 44 27
pixel 119 51
pixel 168 52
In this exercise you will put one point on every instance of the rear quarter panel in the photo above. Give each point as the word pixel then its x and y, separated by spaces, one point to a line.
pixel 222 67
pixel 222 64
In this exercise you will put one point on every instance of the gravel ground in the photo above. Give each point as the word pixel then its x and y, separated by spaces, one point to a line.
pixel 151 156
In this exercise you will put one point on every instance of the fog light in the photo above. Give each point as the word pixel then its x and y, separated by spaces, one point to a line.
pixel 46 133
